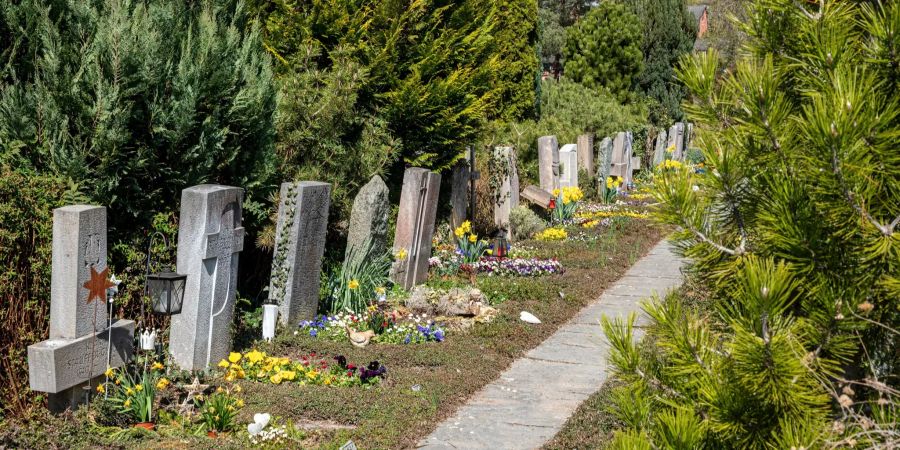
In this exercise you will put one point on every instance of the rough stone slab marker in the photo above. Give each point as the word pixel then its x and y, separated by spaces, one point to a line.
pixel 568 164
pixel 369 217
pixel 538 196
pixel 508 197
pixel 415 226
pixel 299 246
pixel 75 355
pixel 586 153
pixel 548 163
pixel 659 154
pixel 676 138
pixel 210 238
pixel 605 160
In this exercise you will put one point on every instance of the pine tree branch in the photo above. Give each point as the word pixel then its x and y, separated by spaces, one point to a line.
pixel 808 14
pixel 886 230
pixel 718 247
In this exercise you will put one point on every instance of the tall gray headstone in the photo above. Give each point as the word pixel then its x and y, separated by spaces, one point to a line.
pixel 632 164
pixel 688 138
pixel 619 166
pixel 415 226
pixel 604 157
pixel 659 153
pixel 568 166
pixel 508 196
pixel 70 362
pixel 676 140
pixel 369 217
pixel 586 153
pixel 210 239
pixel 299 246
pixel 459 193
pixel 548 163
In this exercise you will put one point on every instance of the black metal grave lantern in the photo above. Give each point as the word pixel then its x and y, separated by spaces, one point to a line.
pixel 165 288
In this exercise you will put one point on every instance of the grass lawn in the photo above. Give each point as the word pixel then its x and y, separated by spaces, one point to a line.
pixel 393 414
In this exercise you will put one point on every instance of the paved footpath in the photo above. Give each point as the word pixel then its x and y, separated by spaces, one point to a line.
pixel 531 400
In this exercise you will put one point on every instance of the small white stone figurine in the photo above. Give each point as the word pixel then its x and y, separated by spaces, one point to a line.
pixel 148 340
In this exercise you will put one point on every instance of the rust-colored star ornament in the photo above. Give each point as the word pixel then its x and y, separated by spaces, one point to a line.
pixel 98 284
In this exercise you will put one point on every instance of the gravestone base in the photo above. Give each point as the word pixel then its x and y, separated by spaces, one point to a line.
pixel 58 364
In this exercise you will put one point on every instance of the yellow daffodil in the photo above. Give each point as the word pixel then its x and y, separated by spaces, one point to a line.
pixel 466 226
pixel 353 284
pixel 380 290
pixel 162 384
pixel 127 403
pixel 101 388
pixel 223 364
pixel 234 357
pixel 109 372
pixel 254 356
pixel 459 232
pixel 220 390
pixel 489 252
pixel 401 254
pixel 473 238
pixel 327 382
pixel 237 388
pixel 157 366
pixel 139 387
pixel 240 403
pixel 129 391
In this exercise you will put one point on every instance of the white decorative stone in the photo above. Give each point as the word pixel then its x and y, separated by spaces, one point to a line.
pixel 526 316
pixel 210 239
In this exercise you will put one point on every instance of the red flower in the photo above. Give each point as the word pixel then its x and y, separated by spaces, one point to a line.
pixel 552 204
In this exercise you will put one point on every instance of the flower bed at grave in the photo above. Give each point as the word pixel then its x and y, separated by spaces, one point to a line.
pixel 385 326
pixel 519 263
pixel 518 267
pixel 596 212
pixel 552 234
pixel 311 369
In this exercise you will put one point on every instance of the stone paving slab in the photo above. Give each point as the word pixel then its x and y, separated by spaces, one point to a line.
pixel 529 403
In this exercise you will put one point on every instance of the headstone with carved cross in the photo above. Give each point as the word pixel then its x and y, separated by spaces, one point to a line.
pixel 71 362
pixel 210 238
pixel 299 246
pixel 415 226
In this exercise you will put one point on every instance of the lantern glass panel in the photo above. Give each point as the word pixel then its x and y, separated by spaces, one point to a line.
pixel 166 292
